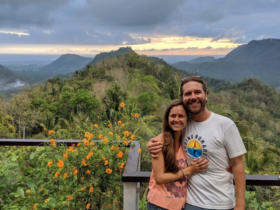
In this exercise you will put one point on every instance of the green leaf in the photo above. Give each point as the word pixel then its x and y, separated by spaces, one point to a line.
pixel 32 156
pixel 20 192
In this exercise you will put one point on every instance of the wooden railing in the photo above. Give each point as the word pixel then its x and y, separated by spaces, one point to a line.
pixel 132 175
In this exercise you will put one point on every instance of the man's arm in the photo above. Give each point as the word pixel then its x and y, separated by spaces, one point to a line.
pixel 154 147
pixel 238 171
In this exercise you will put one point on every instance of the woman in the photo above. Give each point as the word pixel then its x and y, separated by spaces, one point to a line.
pixel 168 182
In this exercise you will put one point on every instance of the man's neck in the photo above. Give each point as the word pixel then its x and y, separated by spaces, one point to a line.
pixel 202 116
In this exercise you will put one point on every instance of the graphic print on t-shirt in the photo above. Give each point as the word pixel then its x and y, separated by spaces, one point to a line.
pixel 194 146
pixel 177 188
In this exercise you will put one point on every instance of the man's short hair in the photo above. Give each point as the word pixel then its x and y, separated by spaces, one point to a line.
pixel 196 79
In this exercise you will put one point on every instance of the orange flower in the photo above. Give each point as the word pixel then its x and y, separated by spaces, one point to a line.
pixel 110 133
pixel 28 191
pixel 65 175
pixel 82 178
pixel 52 142
pixel 109 205
pixel 87 206
pixel 34 206
pixel 105 140
pixel 70 149
pixel 126 133
pixel 115 203
pixel 84 162
pixel 89 155
pixel 103 206
pixel 106 163
pixel 122 165
pixel 125 143
pixel 132 137
pixel 136 115
pixel 65 155
pixel 103 158
pixel 122 125
pixel 78 144
pixel 51 132
pixel 60 164
pixel 45 129
pixel 56 174
pixel 47 201
pixel 95 125
pixel 97 165
pixel 91 189
pixel 139 150
pixel 108 171
pixel 120 154
pixel 75 172
pixel 83 188
pixel 122 104
pixel 91 144
pixel 88 172
pixel 41 189
pixel 50 163
pixel 100 136
pixel 119 122
pixel 109 125
pixel 69 198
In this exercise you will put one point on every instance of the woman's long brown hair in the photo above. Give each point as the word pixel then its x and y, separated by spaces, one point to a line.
pixel 169 148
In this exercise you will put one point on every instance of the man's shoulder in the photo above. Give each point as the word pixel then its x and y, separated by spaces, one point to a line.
pixel 222 119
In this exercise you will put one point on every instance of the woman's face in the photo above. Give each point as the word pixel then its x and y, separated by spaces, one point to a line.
pixel 177 118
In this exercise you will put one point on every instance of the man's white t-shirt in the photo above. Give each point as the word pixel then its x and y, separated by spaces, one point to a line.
pixel 218 140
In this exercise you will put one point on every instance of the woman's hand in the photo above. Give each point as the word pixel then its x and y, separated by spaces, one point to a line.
pixel 196 166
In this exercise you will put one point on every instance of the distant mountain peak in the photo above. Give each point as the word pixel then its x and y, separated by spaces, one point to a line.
pixel 105 55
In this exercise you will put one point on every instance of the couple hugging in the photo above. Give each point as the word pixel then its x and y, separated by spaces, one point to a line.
pixel 191 156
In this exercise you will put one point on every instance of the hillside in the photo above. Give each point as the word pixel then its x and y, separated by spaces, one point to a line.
pixel 65 64
pixel 113 54
pixel 257 59
pixel 203 59
pixel 10 80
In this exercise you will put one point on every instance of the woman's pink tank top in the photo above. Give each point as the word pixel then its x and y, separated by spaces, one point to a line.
pixel 171 195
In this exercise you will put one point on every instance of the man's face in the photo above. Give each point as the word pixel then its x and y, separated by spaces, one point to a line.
pixel 194 97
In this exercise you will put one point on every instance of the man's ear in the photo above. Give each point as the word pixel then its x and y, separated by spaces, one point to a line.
pixel 206 96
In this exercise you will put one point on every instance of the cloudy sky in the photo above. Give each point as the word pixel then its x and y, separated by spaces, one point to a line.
pixel 151 27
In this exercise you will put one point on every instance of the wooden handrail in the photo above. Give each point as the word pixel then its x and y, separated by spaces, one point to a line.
pixel 131 173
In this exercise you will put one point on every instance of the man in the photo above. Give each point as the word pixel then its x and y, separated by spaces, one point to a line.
pixel 216 138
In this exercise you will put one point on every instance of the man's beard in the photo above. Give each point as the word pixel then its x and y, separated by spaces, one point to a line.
pixel 202 107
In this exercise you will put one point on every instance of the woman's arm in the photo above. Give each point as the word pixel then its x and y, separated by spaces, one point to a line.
pixel 161 177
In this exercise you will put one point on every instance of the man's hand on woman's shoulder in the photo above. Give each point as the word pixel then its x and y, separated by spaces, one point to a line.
pixel 154 146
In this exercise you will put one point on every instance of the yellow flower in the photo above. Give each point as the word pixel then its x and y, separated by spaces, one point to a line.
pixel 139 150
pixel 119 122
pixel 41 189
pixel 47 201
pixel 75 172
pixel 105 140
pixel 112 148
pixel 95 125
pixel 51 132
pixel 100 136
pixel 120 154
pixel 34 206
pixel 65 175
pixel 87 206
pixel 56 174
pixel 91 189
pixel 110 133
pixel 60 164
pixel 122 104
pixel 109 171
pixel 136 115
pixel 69 198
pixel 50 163
pixel 106 163
pixel 28 191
